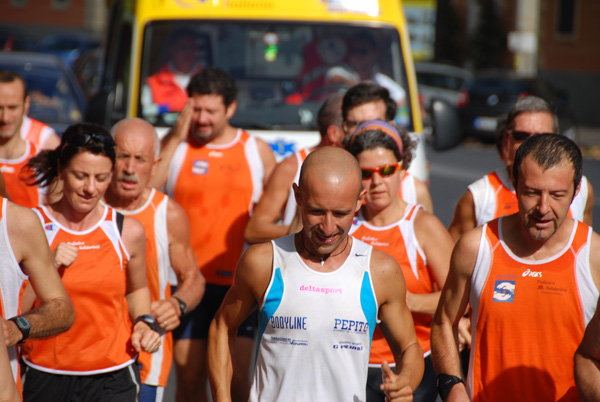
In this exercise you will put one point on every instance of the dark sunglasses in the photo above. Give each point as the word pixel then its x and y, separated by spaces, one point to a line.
pixel 383 171
pixel 522 135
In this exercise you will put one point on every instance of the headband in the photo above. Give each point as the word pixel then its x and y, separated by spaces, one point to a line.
pixel 382 126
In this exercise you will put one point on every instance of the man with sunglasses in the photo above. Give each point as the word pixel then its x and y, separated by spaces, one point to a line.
pixel 319 295
pixel 493 195
pixel 367 101
pixel 531 279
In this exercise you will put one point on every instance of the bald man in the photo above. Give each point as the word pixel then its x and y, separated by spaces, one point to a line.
pixel 167 245
pixel 319 295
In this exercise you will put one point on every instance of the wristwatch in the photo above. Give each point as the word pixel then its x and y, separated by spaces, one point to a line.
pixel 148 319
pixel 23 326
pixel 182 305
pixel 445 382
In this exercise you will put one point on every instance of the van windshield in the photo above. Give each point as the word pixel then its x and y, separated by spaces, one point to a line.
pixel 283 70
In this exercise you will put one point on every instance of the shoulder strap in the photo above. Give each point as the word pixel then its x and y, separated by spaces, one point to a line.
pixel 120 218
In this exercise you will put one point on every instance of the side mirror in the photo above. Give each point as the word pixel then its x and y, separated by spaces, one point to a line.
pixel 447 132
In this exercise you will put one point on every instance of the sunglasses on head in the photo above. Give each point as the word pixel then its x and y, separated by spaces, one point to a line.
pixel 518 135
pixel 383 171
pixel 80 140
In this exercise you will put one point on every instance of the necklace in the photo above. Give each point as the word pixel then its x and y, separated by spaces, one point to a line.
pixel 318 256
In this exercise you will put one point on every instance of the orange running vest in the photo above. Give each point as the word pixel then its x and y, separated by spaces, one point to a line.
pixel 217 185
pixel 153 216
pixel 528 318
pixel 99 340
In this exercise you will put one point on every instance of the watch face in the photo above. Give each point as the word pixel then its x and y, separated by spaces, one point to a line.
pixel 22 322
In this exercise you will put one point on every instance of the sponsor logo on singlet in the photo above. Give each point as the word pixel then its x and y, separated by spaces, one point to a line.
pixel 343 325
pixel 82 246
pixel 200 167
pixel 288 322
pixel 318 289
pixel 50 227
pixel 215 154
pixel 374 241
pixel 7 169
pixel 532 274
pixel 504 291
pixel 347 345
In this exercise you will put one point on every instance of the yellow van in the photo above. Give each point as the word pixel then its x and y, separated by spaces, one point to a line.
pixel 282 54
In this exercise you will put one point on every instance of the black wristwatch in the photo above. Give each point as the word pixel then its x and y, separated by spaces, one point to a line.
pixel 23 326
pixel 445 382
pixel 182 306
pixel 148 319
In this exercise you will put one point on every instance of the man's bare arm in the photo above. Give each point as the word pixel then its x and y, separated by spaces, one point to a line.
pixel 452 306
pixel 464 216
pixel 589 206
pixel 169 144
pixel 263 225
pixel 397 325
pixel 587 361
pixel 250 282
pixel 191 283
pixel 55 313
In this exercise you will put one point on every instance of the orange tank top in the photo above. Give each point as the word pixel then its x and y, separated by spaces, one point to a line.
pixel 528 319
pixel 99 340
pixel 16 173
pixel 399 241
pixel 217 185
pixel 155 367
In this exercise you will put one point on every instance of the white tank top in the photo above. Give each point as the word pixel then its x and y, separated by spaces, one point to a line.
pixel 11 281
pixel 315 328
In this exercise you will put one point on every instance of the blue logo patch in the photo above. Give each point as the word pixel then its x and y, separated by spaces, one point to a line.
pixel 49 227
pixel 504 291
pixel 283 148
pixel 200 167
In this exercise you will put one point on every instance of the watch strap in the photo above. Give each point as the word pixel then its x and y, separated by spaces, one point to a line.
pixel 22 325
pixel 182 305
pixel 149 320
pixel 445 382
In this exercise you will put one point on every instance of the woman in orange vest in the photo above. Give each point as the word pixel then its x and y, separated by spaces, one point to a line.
pixel 414 237
pixel 100 257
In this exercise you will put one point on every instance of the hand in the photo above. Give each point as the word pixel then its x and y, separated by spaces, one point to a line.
pixel 12 335
pixel 182 125
pixel 64 255
pixel 166 312
pixel 464 333
pixel 143 338
pixel 396 387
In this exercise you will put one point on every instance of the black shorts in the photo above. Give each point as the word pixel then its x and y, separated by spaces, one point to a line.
pixel 116 386
pixel 195 324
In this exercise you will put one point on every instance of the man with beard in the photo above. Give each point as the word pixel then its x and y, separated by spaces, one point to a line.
pixel 531 279
pixel 216 172
pixel 319 295
pixel 167 244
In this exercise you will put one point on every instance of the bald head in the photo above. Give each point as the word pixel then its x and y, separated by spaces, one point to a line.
pixel 138 127
pixel 331 166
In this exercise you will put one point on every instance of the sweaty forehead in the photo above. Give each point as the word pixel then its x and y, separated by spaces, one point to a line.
pixel 537 122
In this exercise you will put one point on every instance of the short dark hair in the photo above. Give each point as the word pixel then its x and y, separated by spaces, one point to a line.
pixel 8 76
pixel 373 138
pixel 549 150
pixel 77 138
pixel 366 92
pixel 330 113
pixel 213 81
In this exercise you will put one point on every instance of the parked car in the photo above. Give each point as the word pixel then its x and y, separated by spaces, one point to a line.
pixel 88 71
pixel 67 46
pixel 56 98
pixel 491 95
pixel 439 86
